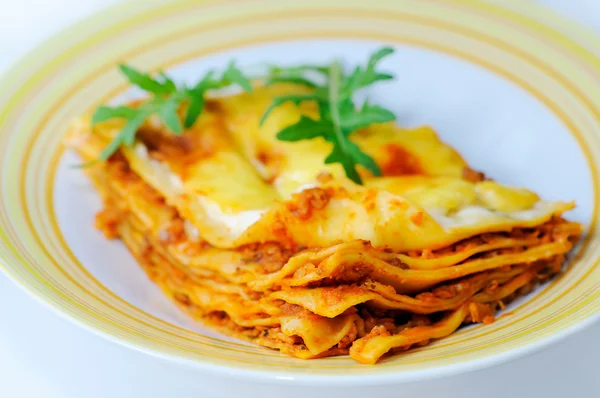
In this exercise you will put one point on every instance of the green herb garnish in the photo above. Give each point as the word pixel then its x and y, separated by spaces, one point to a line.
pixel 339 117
pixel 165 102
pixel 333 92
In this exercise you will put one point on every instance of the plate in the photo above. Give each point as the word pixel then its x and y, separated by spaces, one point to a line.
pixel 514 88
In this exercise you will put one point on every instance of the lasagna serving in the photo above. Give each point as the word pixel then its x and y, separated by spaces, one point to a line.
pixel 262 240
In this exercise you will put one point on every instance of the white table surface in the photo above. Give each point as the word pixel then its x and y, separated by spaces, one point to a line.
pixel 43 355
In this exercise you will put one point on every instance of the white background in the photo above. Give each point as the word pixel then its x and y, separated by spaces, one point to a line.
pixel 42 355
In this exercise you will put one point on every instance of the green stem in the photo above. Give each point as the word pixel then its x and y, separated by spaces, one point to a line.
pixel 334 92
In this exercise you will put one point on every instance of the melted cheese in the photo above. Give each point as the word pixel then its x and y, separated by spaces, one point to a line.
pixel 236 184
pixel 291 165
pixel 218 193
pixel 497 197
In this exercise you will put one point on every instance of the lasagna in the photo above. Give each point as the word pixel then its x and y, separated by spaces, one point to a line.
pixel 261 240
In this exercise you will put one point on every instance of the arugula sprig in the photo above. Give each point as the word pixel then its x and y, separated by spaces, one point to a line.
pixel 165 101
pixel 338 115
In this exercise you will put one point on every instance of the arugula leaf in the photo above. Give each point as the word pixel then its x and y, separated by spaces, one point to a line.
pixel 339 117
pixel 146 82
pixel 363 159
pixel 338 155
pixel 168 114
pixel 165 102
pixel 348 157
pixel 109 150
pixel 167 82
pixel 299 70
pixel 360 77
pixel 282 99
pixel 368 115
pixel 194 109
pixel 128 133
pixel 378 55
pixel 104 113
pixel 305 129
pixel 342 149
pixel 296 75
pixel 207 82
pixel 290 79
pixel 233 75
